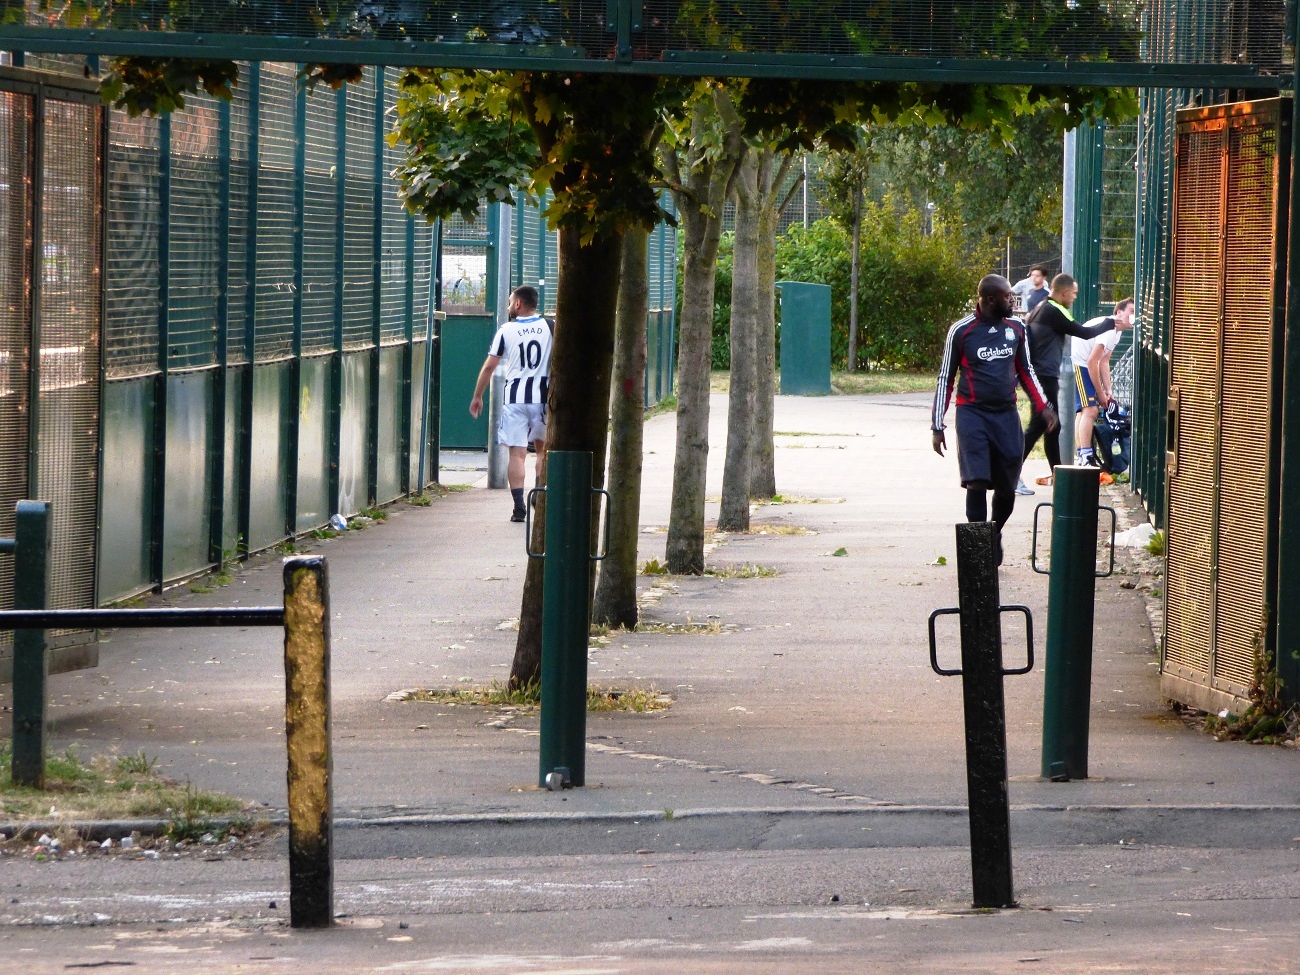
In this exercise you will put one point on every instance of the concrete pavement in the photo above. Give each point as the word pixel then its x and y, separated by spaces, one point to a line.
pixel 809 725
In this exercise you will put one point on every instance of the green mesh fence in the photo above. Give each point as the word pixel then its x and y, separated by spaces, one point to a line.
pixel 320 272
pixel 314 152
pixel 1244 30
pixel 276 184
pixel 132 201
pixel 677 32
pixel 359 215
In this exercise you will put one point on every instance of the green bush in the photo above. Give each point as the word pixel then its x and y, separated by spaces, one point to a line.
pixel 912 286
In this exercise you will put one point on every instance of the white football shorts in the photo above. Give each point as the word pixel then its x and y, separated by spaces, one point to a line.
pixel 522 423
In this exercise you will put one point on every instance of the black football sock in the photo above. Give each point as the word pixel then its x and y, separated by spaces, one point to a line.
pixel 518 495
pixel 1002 507
pixel 977 504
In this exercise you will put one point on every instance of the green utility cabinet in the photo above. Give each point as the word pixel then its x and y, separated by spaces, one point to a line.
pixel 465 341
pixel 805 338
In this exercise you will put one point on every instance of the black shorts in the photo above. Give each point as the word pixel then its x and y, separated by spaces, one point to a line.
pixel 989 447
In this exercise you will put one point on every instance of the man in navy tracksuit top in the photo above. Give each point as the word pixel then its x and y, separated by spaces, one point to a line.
pixel 985 355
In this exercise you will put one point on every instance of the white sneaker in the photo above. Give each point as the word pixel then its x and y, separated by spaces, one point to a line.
pixel 1023 489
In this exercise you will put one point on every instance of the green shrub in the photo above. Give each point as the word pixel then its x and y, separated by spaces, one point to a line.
pixel 912 286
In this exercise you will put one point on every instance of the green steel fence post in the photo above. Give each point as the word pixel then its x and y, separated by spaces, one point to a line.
pixel 377 295
pixel 340 257
pixel 307 734
pixel 217 437
pixel 566 611
pixel 245 441
pixel 408 357
pixel 158 519
pixel 1288 529
pixel 32 536
pixel 294 431
pixel 1070 596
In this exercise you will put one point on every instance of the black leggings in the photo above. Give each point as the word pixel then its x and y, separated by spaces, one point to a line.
pixel 977 505
pixel 1038 426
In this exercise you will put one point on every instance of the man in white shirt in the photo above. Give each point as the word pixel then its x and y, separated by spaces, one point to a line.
pixel 523 343
pixel 1031 291
pixel 1091 359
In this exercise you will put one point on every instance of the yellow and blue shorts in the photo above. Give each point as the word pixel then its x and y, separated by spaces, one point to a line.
pixel 1084 392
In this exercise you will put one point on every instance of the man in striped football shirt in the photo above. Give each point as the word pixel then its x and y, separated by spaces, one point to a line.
pixel 523 343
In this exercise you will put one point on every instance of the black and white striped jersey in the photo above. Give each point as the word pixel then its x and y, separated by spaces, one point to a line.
pixel 525 346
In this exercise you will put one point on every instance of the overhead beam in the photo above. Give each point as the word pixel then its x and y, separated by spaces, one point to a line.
pixel 410 53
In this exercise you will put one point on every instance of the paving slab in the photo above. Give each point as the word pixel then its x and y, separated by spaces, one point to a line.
pixel 815 693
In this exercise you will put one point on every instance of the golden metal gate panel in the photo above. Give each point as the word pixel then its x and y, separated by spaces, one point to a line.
pixel 1223 433
pixel 1194 372
pixel 1245 416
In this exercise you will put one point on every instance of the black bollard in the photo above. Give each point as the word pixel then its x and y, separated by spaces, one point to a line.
pixel 985 710
pixel 307 730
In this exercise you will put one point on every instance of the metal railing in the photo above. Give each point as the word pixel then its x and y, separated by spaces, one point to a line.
pixel 305 619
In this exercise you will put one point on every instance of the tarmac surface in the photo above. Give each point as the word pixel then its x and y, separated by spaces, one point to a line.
pixel 810 753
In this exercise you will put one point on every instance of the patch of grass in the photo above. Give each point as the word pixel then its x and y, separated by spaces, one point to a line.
pixel 131 602
pixel 811 433
pixel 867 383
pixel 839 552
pixel 710 627
pixel 191 820
pixel 666 405
pixel 1157 544
pixel 746 570
pixel 654 568
pixel 201 590
pixel 529 697
pixel 322 534
pixel 419 500
pixel 288 547
pixel 756 529
pixel 137 764
pixel 104 787
pixel 374 514
pixel 720 381
pixel 797 499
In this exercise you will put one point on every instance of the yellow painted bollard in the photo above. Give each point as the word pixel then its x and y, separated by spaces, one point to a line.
pixel 307 732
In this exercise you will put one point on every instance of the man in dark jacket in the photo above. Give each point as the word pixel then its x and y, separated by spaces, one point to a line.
pixel 984 356
pixel 1048 326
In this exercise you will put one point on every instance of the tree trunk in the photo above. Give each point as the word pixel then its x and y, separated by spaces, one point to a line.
pixel 762 484
pixel 700 203
pixel 616 592
pixel 578 404
pixel 734 512
pixel 855 269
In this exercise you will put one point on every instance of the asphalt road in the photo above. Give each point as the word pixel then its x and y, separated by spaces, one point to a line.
pixel 1115 909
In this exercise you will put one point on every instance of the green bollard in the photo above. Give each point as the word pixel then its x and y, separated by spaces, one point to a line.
pixel 566 616
pixel 1067 693
pixel 31 586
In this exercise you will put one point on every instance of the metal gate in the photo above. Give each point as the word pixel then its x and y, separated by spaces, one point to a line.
pixel 51 239
pixel 1222 462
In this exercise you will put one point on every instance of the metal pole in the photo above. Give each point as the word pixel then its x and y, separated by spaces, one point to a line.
pixel 31 587
pixel 1067 691
pixel 498 454
pixel 566 609
pixel 307 734
pixel 1288 528
pixel 985 713
pixel 435 310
